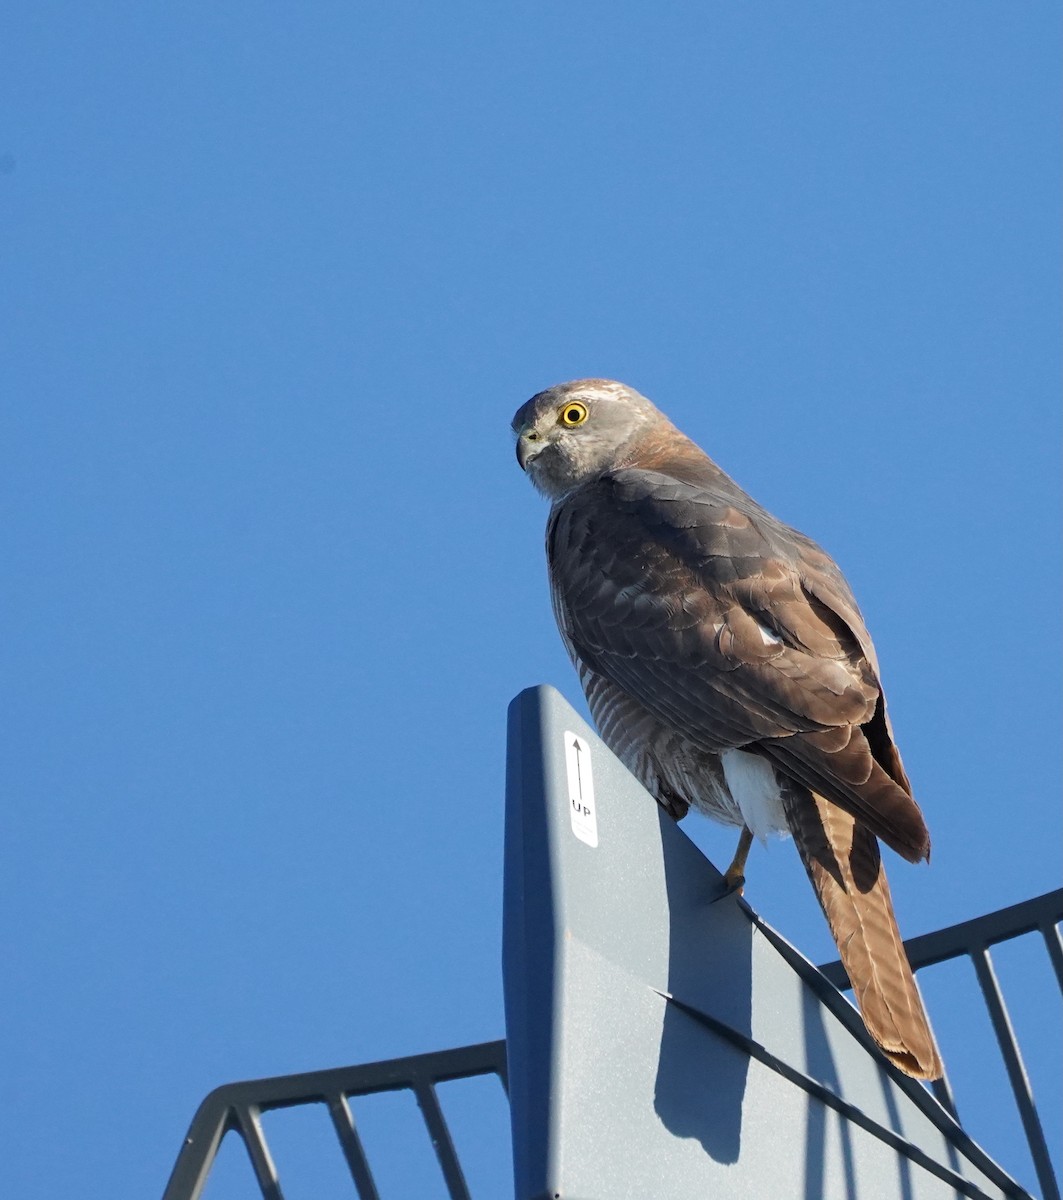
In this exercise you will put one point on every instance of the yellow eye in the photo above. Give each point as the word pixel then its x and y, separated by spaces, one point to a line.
pixel 573 414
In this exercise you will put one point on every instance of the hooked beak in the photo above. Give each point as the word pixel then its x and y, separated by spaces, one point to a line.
pixel 529 444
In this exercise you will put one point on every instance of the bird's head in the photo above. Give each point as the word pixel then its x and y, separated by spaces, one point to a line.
pixel 570 434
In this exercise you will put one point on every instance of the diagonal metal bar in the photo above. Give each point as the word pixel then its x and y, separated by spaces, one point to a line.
pixel 915 1090
pixel 248 1123
pixel 212 1120
pixel 1020 1082
pixel 942 1090
pixel 353 1151
pixel 425 1092
pixel 856 1115
pixel 1054 943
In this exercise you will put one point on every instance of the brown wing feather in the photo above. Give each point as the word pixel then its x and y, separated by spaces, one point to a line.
pixel 730 627
pixel 858 783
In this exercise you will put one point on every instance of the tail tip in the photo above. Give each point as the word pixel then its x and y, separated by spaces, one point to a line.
pixel 926 1066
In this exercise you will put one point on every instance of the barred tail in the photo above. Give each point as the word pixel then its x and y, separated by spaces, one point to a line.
pixel 843 861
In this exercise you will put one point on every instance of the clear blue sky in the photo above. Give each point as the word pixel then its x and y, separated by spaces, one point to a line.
pixel 274 279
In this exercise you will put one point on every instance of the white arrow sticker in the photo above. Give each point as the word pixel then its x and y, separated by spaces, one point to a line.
pixel 580 789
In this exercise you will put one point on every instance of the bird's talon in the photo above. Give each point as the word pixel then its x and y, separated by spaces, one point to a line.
pixel 733 885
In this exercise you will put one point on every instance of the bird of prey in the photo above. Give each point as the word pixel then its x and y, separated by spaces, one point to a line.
pixel 725 662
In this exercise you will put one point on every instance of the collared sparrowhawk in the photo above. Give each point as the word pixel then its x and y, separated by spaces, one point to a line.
pixel 726 663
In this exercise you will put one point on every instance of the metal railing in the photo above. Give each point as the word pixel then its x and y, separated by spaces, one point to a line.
pixel 238 1107
pixel 973 939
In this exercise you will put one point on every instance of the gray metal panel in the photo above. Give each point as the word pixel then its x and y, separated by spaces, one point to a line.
pixel 663 1041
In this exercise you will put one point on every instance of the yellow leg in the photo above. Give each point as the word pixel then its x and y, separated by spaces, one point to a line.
pixel 735 875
